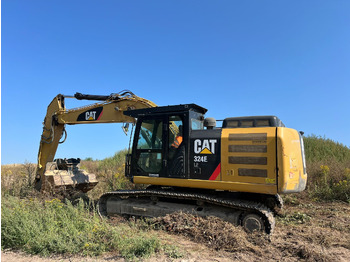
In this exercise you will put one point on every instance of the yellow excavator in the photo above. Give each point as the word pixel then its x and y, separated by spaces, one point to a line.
pixel 235 171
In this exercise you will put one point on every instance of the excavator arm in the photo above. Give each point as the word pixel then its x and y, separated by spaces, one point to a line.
pixel 110 109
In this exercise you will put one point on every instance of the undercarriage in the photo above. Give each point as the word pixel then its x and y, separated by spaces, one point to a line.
pixel 251 215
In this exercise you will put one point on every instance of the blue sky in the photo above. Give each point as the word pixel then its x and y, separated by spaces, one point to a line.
pixel 236 58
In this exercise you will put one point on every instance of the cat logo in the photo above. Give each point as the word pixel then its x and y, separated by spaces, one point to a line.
pixel 205 146
pixel 90 115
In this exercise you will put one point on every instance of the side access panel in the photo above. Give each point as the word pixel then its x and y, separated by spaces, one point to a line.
pixel 248 159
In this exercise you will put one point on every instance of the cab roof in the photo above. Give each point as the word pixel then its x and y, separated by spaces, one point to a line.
pixel 165 110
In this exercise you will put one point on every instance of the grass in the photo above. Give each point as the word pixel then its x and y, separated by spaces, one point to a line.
pixel 18 179
pixel 294 218
pixel 110 174
pixel 328 168
pixel 51 227
pixel 43 227
pixel 321 148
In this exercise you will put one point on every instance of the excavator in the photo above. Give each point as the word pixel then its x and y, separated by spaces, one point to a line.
pixel 236 171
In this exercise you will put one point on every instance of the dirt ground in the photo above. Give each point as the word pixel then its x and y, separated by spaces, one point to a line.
pixel 305 231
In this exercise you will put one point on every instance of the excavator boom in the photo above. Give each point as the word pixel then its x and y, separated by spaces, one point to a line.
pixel 109 110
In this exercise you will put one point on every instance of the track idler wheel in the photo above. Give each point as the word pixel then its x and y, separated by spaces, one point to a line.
pixel 252 222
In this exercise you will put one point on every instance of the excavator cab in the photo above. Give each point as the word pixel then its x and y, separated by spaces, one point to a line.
pixel 161 141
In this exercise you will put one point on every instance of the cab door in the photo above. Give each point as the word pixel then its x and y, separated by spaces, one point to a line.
pixel 176 147
pixel 149 147
pixel 160 147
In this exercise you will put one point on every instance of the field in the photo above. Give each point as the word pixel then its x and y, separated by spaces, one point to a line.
pixel 313 226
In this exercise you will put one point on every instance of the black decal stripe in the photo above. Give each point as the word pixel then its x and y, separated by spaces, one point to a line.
pixel 252 172
pixel 248 148
pixel 247 137
pixel 247 160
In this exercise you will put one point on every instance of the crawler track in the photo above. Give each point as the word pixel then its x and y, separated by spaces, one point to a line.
pixel 244 206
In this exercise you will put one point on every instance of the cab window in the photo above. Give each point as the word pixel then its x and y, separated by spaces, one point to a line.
pixel 150 135
pixel 149 146
pixel 175 131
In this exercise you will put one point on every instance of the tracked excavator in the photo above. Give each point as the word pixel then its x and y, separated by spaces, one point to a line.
pixel 236 171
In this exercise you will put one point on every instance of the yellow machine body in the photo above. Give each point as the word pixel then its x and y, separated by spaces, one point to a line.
pixel 267 160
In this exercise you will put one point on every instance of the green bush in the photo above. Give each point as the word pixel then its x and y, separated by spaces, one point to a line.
pixel 328 168
pixel 295 218
pixel 18 179
pixel 320 148
pixel 51 227
pixel 112 169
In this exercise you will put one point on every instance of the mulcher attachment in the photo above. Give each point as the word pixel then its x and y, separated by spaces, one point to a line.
pixel 65 175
